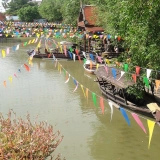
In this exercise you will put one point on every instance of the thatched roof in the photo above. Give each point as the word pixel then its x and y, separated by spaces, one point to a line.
pixel 105 72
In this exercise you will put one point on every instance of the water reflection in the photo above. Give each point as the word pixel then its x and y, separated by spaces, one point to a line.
pixel 87 133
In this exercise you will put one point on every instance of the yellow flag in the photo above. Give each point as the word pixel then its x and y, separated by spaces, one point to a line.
pixel 60 68
pixel 107 61
pixel 10 79
pixel 3 53
pixel 83 90
pixel 29 41
pixel 33 40
pixel 38 35
pixel 39 44
pixel 151 125
pixel 97 65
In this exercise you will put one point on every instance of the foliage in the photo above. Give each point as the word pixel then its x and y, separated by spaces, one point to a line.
pixel 50 10
pixel 20 139
pixel 15 5
pixel 29 13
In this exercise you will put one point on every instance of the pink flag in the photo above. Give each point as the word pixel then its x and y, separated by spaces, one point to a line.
pixel 15 75
pixel 7 50
pixel 136 118
pixel 102 104
pixel 106 68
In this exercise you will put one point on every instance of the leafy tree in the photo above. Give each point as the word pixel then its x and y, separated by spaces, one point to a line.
pixel 50 10
pixel 29 13
pixel 15 5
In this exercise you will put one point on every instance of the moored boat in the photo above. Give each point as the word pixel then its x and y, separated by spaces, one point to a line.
pixel 90 66
pixel 114 88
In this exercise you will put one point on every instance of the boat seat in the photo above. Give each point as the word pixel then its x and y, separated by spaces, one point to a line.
pixel 153 107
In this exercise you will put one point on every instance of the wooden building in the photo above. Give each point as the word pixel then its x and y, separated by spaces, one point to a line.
pixel 87 19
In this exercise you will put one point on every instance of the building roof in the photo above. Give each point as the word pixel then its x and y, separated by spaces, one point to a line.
pixel 2 17
pixel 87 19
pixel 90 14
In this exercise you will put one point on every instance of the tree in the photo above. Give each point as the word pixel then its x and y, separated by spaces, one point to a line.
pixel 50 10
pixel 29 13
pixel 15 5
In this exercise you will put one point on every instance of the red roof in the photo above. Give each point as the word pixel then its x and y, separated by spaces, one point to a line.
pixel 2 17
pixel 90 14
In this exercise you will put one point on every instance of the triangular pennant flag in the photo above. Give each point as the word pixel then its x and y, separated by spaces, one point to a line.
pixel 151 125
pixel 70 54
pixel 17 47
pixel 76 83
pixel 125 115
pixel 106 69
pixel 122 73
pixel 94 99
pixel 3 53
pixel 99 59
pixel 148 73
pixel 126 67
pixel 10 79
pixel 111 106
pixel 74 57
pixel 84 54
pixel 134 76
pixel 84 60
pixel 67 79
pixel 157 82
pixel 137 70
pixel 97 65
pixel 26 67
pixel 107 61
pixel 87 94
pixel 146 81
pixel 56 63
pixel 4 83
pixel 8 50
pixel 91 56
pixel 83 90
pixel 114 73
pixel 102 104
pixel 139 122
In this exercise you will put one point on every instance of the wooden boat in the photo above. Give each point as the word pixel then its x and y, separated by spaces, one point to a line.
pixel 89 66
pixel 115 90
pixel 53 54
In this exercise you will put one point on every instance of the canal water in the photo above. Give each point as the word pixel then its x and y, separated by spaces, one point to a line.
pixel 88 135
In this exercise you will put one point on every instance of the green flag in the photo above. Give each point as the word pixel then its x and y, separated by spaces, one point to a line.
pixel 146 81
pixel 94 99
pixel 126 67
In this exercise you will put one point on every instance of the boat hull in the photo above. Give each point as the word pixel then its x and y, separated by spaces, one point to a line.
pixel 120 102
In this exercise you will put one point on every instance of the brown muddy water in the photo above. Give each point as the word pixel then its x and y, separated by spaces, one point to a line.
pixel 88 135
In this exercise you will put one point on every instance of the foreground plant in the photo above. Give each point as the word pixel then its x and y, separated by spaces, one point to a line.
pixel 21 140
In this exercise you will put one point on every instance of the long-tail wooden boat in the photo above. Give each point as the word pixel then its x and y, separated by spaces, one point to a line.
pixel 53 54
pixel 89 66
pixel 115 90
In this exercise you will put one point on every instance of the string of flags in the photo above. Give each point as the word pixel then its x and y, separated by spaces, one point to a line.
pixel 95 97
pixel 86 91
